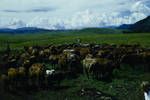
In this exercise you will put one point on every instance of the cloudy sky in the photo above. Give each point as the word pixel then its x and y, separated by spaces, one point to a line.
pixel 71 14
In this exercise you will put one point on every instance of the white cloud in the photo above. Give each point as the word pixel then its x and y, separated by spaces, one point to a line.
pixel 70 14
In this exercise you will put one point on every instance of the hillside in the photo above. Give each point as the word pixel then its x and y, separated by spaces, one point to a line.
pixel 29 30
pixel 141 26
pixel 23 30
pixel 100 30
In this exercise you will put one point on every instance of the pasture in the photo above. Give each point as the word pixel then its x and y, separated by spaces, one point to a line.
pixel 125 84
pixel 18 41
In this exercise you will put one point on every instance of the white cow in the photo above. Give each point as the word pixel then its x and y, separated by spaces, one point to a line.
pixel 50 72
pixel 147 95
pixel 146 87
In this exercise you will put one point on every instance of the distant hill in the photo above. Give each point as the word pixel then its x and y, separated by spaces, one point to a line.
pixel 28 30
pixel 138 27
pixel 100 30
pixel 23 30
pixel 125 26
pixel 141 26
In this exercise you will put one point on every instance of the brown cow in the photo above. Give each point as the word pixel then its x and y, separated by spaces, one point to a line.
pixel 54 60
pixel 12 76
pixel 36 74
pixel 21 77
pixel 97 67
pixel 88 63
pixel 4 83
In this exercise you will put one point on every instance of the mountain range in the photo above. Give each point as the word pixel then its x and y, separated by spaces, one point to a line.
pixel 138 27
pixel 23 30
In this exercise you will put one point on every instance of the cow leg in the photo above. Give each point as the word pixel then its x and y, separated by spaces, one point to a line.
pixel 87 73
pixel 84 71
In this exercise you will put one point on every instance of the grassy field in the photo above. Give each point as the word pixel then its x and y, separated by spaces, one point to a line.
pixel 18 41
pixel 124 86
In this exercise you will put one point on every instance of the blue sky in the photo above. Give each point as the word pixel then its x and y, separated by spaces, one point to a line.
pixel 71 14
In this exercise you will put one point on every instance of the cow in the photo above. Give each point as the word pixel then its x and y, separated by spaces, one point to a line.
pixel 146 90
pixel 99 68
pixel 74 64
pixel 83 51
pixel 53 59
pixel 62 62
pixel 12 76
pixel 53 77
pixel 4 82
pixel 48 74
pixel 70 61
pixel 88 63
pixel 36 74
pixel 21 77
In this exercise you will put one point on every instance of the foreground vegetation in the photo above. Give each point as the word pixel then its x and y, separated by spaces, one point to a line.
pixel 124 86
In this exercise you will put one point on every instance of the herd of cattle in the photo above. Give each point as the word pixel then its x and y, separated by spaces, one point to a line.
pixel 97 61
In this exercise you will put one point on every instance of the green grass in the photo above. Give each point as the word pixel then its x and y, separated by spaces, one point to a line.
pixel 18 41
pixel 124 86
